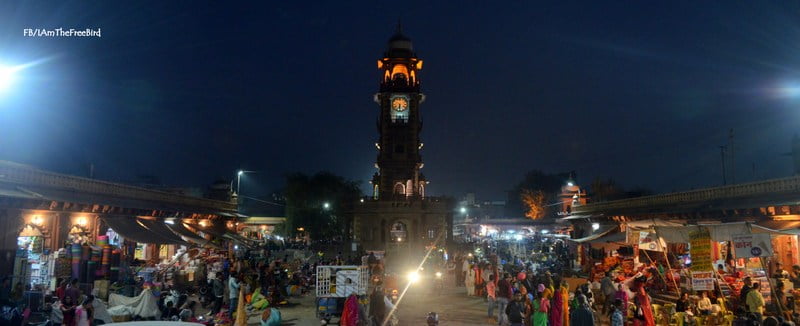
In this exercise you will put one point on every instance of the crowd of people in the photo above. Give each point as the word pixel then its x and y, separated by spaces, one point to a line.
pixel 519 291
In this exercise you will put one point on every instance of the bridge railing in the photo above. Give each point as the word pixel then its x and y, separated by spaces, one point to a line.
pixel 22 175
pixel 783 185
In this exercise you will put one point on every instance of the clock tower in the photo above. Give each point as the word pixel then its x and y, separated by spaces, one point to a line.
pixel 398 216
pixel 399 123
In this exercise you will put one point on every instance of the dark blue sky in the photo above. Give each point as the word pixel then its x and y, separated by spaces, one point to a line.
pixel 638 91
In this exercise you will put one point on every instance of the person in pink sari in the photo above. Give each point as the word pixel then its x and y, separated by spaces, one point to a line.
pixel 557 309
pixel 350 313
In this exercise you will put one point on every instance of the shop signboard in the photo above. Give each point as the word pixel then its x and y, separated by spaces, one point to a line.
pixel 752 245
pixel 650 241
pixel 703 281
pixel 700 250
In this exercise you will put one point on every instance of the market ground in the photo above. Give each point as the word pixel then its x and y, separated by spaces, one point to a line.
pixel 452 304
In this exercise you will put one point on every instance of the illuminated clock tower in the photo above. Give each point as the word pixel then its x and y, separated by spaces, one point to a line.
pixel 398 216
pixel 399 123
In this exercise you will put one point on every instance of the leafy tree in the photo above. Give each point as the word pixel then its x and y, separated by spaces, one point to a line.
pixel 534 202
pixel 306 199
pixel 546 184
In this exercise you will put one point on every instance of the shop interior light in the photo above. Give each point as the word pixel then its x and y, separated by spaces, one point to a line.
pixel 545 231
pixel 37 220
pixel 81 221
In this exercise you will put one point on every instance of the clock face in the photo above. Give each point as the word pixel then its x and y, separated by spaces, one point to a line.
pixel 399 103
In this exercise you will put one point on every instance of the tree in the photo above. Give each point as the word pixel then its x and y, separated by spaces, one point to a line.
pixel 548 184
pixel 534 203
pixel 306 199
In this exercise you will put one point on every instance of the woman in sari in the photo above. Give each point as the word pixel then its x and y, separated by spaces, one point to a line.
pixel 557 311
pixel 541 306
pixel 644 312
pixel 479 281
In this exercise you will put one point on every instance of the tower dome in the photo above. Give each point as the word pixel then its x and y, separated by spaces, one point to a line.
pixel 399 44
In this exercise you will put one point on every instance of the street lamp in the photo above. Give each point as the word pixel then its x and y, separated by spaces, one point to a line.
pixel 239 178
pixel 326 205
pixel 463 210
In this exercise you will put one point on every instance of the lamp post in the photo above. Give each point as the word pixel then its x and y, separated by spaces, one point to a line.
pixel 239 179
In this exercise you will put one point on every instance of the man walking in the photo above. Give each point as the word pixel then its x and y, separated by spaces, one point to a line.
pixel 233 292
pixel 491 296
pixel 218 289
pixel 504 295
pixel 608 289
pixel 516 311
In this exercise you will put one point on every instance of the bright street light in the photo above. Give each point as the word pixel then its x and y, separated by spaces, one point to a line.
pixel 326 205
pixel 413 277
pixel 463 210
pixel 239 178
pixel 595 226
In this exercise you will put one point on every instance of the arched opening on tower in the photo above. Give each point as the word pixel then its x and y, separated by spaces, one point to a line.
pixel 399 71
pixel 399 189
pixel 399 232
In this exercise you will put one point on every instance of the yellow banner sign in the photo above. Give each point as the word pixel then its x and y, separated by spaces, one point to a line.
pixel 700 250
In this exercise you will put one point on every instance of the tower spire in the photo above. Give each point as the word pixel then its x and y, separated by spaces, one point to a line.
pixel 399 26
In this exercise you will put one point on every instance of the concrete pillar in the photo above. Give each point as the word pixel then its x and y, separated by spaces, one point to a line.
pixel 11 224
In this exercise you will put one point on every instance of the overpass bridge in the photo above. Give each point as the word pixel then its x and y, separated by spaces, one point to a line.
pixel 56 207
pixel 769 200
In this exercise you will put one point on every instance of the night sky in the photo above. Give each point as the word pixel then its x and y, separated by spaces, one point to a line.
pixel 638 91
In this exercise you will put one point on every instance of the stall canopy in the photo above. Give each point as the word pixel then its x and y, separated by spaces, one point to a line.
pixel 578 217
pixel 219 230
pixel 180 229
pixel 597 236
pixel 135 229
pixel 718 232
pixel 650 224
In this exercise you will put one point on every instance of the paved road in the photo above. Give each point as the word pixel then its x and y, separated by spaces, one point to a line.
pixel 453 306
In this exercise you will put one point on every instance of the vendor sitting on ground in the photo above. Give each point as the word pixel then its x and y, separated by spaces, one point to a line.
pixel 169 312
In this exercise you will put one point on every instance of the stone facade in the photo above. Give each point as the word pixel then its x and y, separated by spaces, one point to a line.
pixel 398 214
